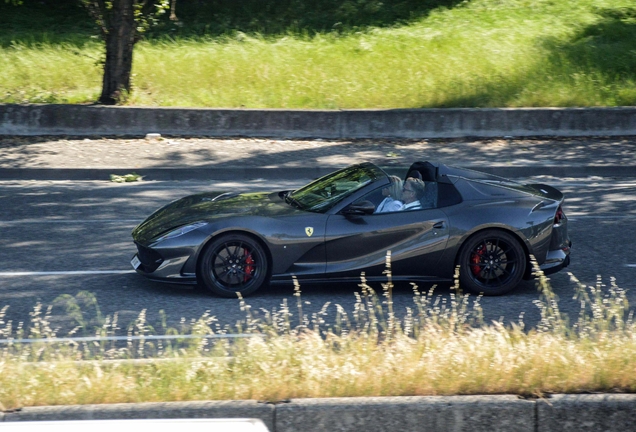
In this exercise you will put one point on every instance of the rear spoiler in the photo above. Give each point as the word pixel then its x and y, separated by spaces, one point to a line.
pixel 547 191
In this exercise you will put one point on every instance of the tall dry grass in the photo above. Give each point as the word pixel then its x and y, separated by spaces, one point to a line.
pixel 441 347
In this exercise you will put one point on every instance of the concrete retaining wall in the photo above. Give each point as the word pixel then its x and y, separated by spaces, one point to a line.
pixel 416 123
pixel 561 413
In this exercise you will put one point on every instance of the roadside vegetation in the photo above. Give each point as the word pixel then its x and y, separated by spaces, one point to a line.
pixel 441 347
pixel 473 53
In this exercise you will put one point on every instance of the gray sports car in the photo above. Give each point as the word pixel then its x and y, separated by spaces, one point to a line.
pixel 338 226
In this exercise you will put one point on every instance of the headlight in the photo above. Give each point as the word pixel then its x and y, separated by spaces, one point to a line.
pixel 181 231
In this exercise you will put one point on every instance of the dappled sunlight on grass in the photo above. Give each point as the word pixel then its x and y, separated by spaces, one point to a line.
pixel 483 53
pixel 49 73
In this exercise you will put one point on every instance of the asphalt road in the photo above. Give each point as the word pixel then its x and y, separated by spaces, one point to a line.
pixel 61 238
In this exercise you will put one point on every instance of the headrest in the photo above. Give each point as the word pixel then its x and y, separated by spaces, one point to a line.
pixel 414 174
pixel 426 171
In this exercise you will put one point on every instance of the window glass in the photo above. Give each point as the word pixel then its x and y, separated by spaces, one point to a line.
pixel 324 193
pixel 428 201
pixel 377 197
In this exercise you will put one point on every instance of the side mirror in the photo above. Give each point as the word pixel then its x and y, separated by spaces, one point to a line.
pixel 359 208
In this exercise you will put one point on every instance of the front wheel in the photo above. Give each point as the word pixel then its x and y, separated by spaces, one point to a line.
pixel 232 264
pixel 491 262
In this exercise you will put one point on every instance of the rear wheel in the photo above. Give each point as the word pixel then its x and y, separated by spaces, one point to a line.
pixel 491 262
pixel 232 264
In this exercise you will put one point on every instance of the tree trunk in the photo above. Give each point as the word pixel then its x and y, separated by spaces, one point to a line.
pixel 120 39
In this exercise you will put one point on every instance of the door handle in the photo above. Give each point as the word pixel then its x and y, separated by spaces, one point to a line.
pixel 439 225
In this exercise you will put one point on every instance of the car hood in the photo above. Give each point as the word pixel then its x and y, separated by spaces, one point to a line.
pixel 207 207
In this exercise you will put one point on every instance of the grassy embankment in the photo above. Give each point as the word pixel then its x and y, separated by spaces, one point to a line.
pixel 440 348
pixel 483 53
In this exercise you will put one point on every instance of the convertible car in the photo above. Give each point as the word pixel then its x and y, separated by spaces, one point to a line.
pixel 330 230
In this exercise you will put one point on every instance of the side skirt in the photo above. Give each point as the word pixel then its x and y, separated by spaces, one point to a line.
pixel 288 280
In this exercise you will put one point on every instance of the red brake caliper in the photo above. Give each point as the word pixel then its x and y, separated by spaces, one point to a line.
pixel 476 259
pixel 249 267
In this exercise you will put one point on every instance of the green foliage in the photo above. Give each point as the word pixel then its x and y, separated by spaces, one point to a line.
pixel 480 53
pixel 276 17
pixel 133 177
pixel 35 22
pixel 147 17
pixel 212 18
pixel 108 13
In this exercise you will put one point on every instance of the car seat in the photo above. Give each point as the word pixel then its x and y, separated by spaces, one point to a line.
pixel 427 172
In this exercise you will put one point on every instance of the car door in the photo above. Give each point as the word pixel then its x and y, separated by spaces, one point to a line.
pixel 356 243
pixel 297 246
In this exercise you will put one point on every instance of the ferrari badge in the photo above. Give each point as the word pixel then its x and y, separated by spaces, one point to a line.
pixel 309 231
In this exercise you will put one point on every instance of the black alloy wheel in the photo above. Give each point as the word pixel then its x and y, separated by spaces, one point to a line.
pixel 231 264
pixel 491 262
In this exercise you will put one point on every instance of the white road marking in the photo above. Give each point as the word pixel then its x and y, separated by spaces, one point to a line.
pixel 605 184
pixel 64 273
pixel 622 217
pixel 71 221
pixel 184 185
pixel 128 338
pixel 630 265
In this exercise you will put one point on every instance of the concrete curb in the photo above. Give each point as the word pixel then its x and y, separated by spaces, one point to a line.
pixel 380 414
pixel 563 413
pixel 283 173
pixel 397 123
pixel 594 412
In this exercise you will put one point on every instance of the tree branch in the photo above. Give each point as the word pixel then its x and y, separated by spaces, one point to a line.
pixel 173 11
pixel 97 11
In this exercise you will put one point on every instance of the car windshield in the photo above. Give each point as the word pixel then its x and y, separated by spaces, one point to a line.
pixel 324 193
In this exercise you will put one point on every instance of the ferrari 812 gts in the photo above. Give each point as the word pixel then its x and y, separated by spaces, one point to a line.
pixel 331 230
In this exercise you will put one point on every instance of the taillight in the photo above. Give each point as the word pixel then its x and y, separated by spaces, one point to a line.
pixel 558 217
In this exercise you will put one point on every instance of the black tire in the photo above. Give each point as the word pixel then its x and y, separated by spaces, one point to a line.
pixel 233 263
pixel 491 262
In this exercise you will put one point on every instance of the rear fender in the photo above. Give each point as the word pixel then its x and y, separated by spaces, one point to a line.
pixel 522 241
pixel 452 253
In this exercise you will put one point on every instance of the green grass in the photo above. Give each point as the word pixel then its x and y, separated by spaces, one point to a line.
pixel 480 53
pixel 441 347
